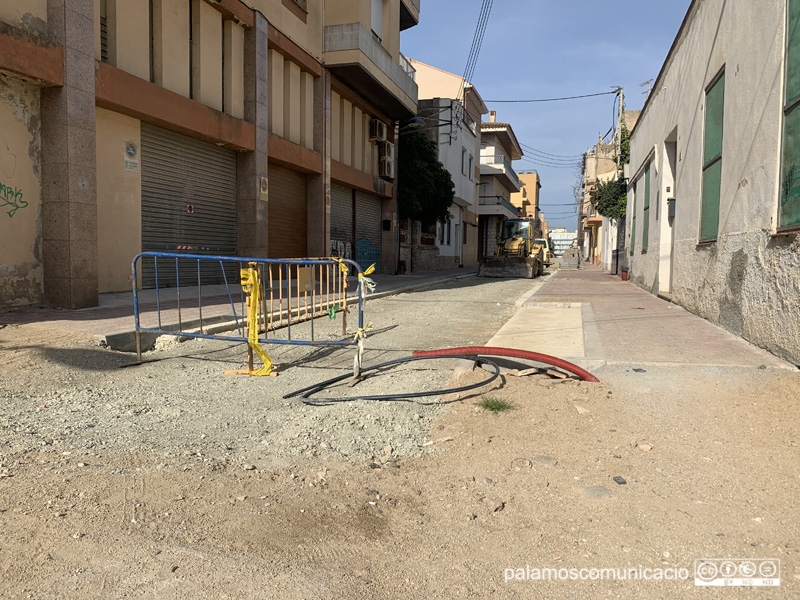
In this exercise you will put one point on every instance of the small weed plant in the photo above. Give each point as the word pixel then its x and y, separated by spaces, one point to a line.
pixel 495 405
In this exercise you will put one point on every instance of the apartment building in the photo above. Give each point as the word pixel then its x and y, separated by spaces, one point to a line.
pixel 499 146
pixel 206 126
pixel 451 110
pixel 526 201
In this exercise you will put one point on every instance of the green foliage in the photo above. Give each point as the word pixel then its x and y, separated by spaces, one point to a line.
pixel 495 405
pixel 425 189
pixel 611 198
pixel 624 157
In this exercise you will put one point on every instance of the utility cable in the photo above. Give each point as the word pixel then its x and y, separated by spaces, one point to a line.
pixel 554 99
pixel 532 149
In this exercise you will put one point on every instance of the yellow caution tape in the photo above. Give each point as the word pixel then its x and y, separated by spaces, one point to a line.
pixel 344 268
pixel 369 271
pixel 252 286
pixel 361 334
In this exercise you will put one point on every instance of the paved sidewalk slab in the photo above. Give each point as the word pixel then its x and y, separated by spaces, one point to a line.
pixel 592 318
pixel 634 327
pixel 550 329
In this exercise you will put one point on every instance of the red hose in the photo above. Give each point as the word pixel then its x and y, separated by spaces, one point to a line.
pixel 487 351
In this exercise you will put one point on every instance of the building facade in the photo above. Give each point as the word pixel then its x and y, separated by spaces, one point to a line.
pixel 561 239
pixel 451 110
pixel 599 166
pixel 499 146
pixel 713 197
pixel 214 127
pixel 526 200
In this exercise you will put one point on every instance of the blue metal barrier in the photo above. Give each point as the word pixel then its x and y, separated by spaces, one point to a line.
pixel 293 291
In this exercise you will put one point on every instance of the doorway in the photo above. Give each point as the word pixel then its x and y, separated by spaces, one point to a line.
pixel 669 206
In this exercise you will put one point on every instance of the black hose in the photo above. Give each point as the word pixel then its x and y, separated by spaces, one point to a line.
pixel 313 389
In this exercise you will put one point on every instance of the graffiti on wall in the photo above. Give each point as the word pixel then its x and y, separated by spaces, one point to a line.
pixel 11 196
pixel 341 249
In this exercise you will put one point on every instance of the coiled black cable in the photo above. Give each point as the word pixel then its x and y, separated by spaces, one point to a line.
pixel 305 393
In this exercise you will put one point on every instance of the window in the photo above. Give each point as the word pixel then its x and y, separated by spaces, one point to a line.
pixel 633 219
pixel 463 161
pixel 471 171
pixel 712 159
pixel 449 228
pixel 103 31
pixel 377 20
pixel 646 208
pixel 464 229
pixel 441 234
pixel 789 207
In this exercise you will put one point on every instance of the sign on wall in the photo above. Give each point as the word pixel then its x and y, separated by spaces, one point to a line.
pixel 131 156
pixel 263 189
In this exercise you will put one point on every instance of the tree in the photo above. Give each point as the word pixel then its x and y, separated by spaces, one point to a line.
pixel 425 189
pixel 611 198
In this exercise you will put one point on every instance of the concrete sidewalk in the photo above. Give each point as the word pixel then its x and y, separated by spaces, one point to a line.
pixel 592 318
pixel 112 322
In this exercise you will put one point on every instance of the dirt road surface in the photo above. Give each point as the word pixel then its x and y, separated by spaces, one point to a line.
pixel 171 480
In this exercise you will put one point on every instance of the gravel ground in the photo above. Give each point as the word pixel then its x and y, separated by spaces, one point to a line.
pixel 66 395
pixel 171 480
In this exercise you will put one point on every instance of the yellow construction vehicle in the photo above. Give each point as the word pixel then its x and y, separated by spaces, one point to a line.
pixel 544 244
pixel 516 254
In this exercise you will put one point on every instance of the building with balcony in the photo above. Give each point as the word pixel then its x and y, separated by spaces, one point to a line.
pixel 451 110
pixel 599 165
pixel 526 201
pixel 601 238
pixel 258 129
pixel 561 239
pixel 499 146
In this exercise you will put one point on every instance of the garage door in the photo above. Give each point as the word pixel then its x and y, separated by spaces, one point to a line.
pixel 341 221
pixel 287 213
pixel 188 204
pixel 368 230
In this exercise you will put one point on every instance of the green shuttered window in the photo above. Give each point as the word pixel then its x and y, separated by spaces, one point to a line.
pixel 789 211
pixel 646 215
pixel 712 159
pixel 633 219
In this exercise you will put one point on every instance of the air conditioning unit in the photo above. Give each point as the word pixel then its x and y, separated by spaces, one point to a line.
pixel 377 130
pixel 386 169
pixel 386 151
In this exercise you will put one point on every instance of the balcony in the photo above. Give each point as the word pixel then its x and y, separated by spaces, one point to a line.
pixel 498 166
pixel 496 205
pixel 407 67
pixel 353 55
pixel 409 13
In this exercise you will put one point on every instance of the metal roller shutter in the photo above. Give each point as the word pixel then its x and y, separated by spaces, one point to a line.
pixel 368 230
pixel 188 204
pixel 288 213
pixel 341 221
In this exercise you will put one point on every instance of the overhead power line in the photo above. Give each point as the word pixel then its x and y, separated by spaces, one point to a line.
pixel 546 164
pixel 477 42
pixel 555 99
pixel 532 149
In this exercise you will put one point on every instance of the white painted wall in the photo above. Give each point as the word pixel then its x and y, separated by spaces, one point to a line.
pixel 748 281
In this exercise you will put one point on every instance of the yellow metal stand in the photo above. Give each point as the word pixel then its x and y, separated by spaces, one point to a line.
pixel 251 285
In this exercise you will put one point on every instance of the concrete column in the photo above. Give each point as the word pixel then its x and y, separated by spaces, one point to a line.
pixel 69 177
pixel 319 186
pixel 252 206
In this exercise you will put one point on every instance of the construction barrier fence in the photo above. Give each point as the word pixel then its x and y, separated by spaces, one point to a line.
pixel 195 293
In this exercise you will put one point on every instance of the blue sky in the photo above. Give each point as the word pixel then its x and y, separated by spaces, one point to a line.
pixel 551 49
